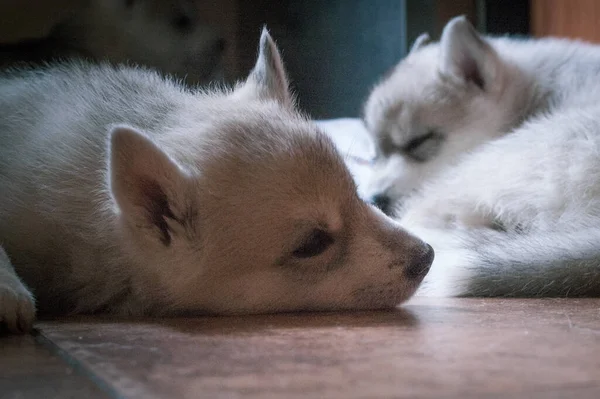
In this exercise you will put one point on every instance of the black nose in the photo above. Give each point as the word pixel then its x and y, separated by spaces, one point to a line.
pixel 420 263
pixel 382 202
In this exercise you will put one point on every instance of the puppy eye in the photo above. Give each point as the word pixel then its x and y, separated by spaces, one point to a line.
pixel 424 147
pixel 315 244
pixel 417 142
pixel 182 22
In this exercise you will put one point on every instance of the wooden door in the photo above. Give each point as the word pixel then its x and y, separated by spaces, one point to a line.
pixel 575 19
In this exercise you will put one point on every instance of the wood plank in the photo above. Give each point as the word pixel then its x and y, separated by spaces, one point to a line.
pixel 459 348
pixel 29 370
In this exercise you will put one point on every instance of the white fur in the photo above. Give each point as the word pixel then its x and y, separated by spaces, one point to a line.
pixel 126 193
pixel 511 198
pixel 355 145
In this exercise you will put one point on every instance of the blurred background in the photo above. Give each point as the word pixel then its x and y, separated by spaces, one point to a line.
pixel 334 50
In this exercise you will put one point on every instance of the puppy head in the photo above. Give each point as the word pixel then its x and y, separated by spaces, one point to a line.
pixel 441 101
pixel 260 213
pixel 165 34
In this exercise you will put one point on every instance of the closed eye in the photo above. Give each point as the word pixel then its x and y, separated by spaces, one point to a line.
pixel 315 244
pixel 182 22
pixel 417 142
pixel 424 147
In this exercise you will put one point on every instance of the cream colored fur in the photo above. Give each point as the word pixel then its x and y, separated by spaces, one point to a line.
pixel 126 193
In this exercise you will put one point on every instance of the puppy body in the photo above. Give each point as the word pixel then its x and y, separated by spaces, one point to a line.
pixel 491 146
pixel 126 193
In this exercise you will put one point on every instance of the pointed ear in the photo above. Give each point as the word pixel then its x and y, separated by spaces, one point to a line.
pixel 147 185
pixel 420 41
pixel 466 56
pixel 268 79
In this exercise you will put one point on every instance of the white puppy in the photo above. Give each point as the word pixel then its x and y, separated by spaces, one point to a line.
pixel 490 151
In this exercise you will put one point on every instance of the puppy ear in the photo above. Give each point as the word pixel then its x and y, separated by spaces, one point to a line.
pixel 268 79
pixel 420 42
pixel 145 182
pixel 466 56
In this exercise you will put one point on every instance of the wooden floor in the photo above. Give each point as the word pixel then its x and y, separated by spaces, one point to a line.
pixel 459 348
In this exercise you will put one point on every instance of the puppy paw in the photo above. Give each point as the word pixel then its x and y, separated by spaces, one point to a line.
pixel 17 308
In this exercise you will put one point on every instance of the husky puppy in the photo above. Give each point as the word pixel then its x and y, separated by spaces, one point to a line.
pixel 126 193
pixel 490 151
pixel 164 34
